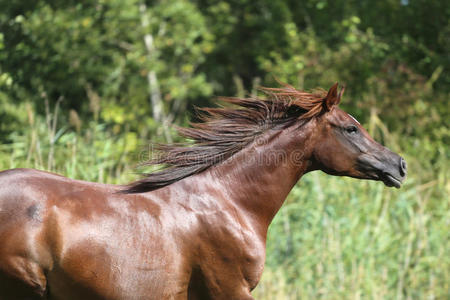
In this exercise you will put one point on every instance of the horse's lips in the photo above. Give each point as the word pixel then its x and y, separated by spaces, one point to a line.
pixel 390 181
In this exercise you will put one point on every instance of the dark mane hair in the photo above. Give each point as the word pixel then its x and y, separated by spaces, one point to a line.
pixel 224 131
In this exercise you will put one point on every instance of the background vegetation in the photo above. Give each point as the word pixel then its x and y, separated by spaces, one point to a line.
pixel 84 86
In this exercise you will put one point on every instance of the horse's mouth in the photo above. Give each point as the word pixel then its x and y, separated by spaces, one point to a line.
pixel 390 180
pixel 392 174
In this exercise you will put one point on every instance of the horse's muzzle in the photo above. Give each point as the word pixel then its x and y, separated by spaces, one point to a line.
pixel 386 166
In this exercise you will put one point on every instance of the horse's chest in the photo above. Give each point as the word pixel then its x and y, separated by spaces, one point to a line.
pixel 231 255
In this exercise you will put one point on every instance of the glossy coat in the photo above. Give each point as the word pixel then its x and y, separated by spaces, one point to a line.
pixel 202 237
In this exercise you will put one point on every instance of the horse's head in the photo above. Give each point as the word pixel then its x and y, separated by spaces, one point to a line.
pixel 345 148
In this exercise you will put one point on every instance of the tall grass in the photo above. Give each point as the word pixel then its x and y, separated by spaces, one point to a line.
pixel 95 154
pixel 339 238
pixel 335 238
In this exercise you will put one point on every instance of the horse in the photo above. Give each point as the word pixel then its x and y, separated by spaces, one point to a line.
pixel 195 228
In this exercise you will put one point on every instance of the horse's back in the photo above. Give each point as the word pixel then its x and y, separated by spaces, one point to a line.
pixel 40 214
pixel 72 239
pixel 23 195
pixel 21 276
pixel 20 199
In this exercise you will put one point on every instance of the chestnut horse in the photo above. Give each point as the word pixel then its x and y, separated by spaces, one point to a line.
pixel 194 229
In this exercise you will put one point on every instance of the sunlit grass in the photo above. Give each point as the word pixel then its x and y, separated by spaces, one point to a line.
pixel 339 238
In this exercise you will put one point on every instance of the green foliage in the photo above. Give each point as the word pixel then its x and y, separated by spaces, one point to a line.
pixel 76 98
pixel 68 50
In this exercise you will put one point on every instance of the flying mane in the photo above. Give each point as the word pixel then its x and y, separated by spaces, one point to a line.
pixel 224 131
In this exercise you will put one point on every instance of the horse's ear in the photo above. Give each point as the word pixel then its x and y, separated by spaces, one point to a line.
pixel 333 97
pixel 341 92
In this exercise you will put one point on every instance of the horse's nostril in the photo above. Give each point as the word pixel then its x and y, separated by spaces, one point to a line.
pixel 403 166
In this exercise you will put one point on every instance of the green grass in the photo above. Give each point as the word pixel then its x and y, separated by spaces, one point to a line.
pixel 339 238
pixel 335 238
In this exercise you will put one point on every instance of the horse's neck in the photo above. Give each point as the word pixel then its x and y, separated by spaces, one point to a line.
pixel 259 178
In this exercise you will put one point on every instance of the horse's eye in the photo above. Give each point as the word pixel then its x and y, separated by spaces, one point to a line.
pixel 351 129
